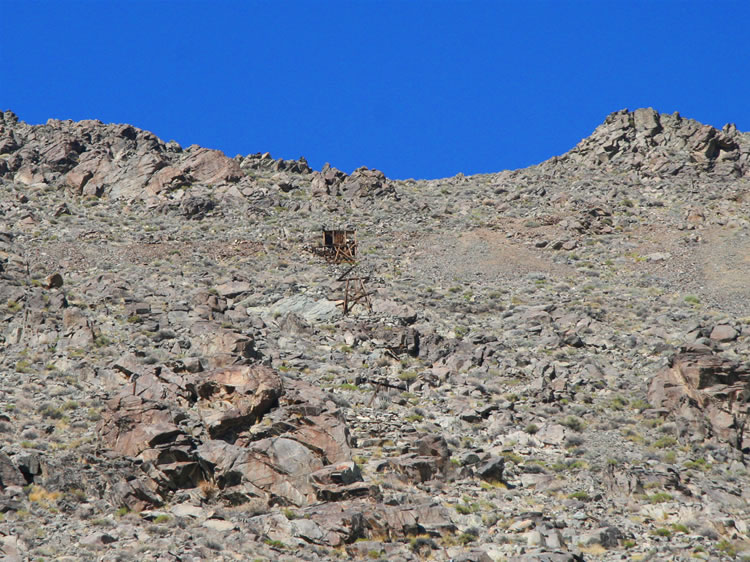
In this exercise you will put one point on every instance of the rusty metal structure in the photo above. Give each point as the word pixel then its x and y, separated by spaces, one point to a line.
pixel 338 246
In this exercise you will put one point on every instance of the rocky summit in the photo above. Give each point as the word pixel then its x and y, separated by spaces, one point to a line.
pixel 550 363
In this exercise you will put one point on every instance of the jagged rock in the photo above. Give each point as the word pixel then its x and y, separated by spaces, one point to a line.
pixel 171 177
pixel 339 482
pixel 207 426
pixel 196 207
pixel 365 183
pixel 137 425
pixel 662 145
pixel 434 446
pixel 413 468
pixel 399 521
pixel 361 184
pixel 646 121
pixel 492 469
pixel 622 481
pixel 233 397
pixel 209 166
pixel 331 524
pixel 327 181
pixel 233 289
pixel 93 158
pixel 226 347
pixel 403 312
pixel 54 281
pixel 294 324
pixel 707 392
pixel 219 525
pixel 10 475
pixel 260 161
pixel 30 465
pixel 308 308
pixel 136 493
pixel 608 537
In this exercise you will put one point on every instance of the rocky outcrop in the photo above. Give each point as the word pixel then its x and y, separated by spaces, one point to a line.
pixel 91 158
pixel 707 393
pixel 362 184
pixel 264 161
pixel 657 144
pixel 245 429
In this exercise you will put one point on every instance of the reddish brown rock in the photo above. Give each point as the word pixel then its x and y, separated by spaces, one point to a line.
pixel 724 333
pixel 210 166
pixel 137 424
pixel 706 391
pixel 226 347
pixel 76 179
pixel 165 179
pixel 237 396
pixel 62 154
pixel 411 468
pixel 399 521
pixel 237 426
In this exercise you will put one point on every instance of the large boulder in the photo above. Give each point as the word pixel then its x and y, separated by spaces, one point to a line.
pixel 707 392
pixel 209 166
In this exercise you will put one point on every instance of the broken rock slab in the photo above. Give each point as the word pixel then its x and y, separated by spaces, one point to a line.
pixel 707 392
pixel 313 311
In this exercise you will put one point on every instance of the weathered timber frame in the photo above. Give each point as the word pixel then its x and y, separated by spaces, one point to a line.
pixel 354 290
pixel 338 246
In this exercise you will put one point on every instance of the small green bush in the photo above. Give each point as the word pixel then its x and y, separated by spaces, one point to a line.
pixel 665 442
pixel 466 538
pixel 727 548
pixel 698 464
pixel 659 497
pixel 23 366
pixel 573 422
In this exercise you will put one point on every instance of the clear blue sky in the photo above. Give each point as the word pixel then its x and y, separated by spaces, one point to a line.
pixel 418 89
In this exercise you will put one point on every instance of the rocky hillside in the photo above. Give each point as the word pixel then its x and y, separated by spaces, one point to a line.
pixel 555 365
